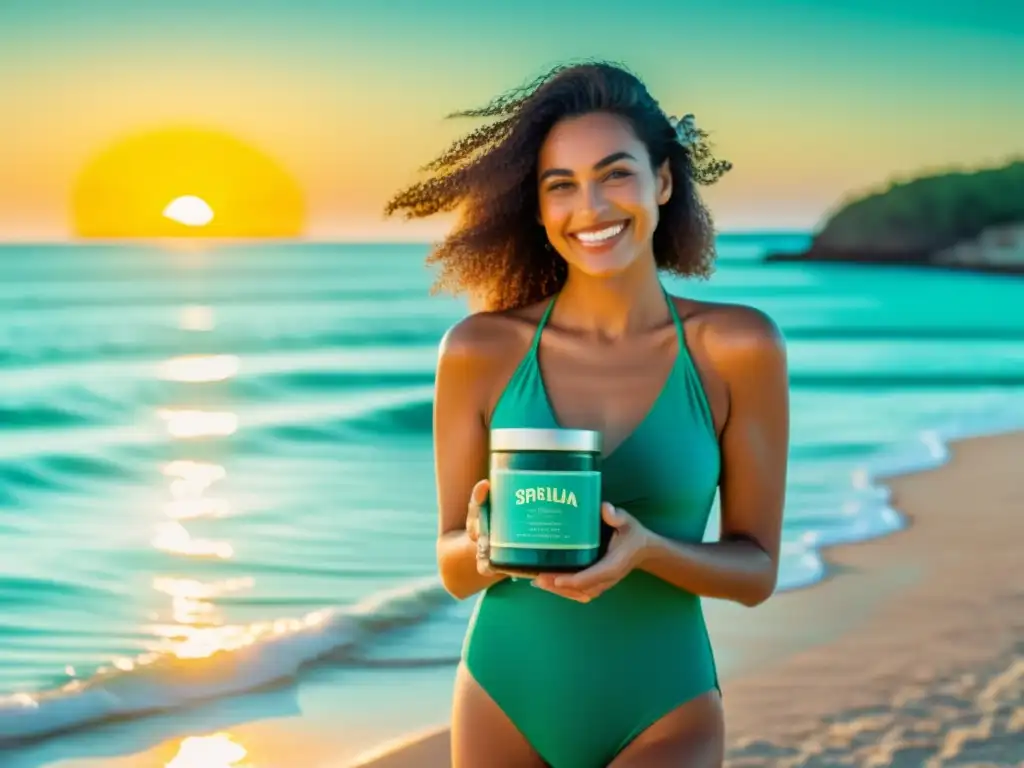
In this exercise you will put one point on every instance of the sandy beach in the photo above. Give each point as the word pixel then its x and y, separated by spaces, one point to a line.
pixel 910 654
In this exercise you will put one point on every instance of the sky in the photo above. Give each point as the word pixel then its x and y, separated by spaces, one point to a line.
pixel 340 102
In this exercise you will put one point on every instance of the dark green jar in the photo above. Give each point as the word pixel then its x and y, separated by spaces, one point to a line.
pixel 545 499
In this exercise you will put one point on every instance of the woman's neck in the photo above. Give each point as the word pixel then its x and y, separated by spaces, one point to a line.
pixel 613 307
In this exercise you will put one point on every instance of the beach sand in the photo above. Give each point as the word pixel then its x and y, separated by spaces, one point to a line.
pixel 911 653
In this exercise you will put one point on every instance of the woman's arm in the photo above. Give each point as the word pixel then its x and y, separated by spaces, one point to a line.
pixel 460 450
pixel 749 354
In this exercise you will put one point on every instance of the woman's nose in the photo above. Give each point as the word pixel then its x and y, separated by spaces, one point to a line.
pixel 591 200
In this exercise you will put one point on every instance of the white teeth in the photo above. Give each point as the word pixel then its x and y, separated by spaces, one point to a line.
pixel 600 235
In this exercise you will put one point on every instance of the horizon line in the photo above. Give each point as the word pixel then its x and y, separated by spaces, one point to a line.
pixel 216 241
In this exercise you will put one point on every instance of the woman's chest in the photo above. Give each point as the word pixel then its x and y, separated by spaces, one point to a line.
pixel 666 474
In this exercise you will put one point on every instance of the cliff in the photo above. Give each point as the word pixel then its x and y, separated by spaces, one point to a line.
pixel 968 220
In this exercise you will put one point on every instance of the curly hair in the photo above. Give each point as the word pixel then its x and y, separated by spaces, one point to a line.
pixel 496 251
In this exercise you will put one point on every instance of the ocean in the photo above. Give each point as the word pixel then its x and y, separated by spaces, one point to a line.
pixel 215 465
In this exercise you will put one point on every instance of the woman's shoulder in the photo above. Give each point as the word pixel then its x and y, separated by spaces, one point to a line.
pixel 737 337
pixel 484 339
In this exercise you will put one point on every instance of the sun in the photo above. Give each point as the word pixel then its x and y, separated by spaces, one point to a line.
pixel 189 210
pixel 185 182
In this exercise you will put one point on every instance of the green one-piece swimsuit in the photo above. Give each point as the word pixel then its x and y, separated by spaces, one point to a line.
pixel 581 680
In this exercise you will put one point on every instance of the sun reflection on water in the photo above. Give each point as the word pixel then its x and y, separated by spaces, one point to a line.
pixel 173 537
pixel 191 479
pixel 196 317
pixel 218 750
pixel 191 599
pixel 199 368
pixel 196 629
pixel 192 642
pixel 190 423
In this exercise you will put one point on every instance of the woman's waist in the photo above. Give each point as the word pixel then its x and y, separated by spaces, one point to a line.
pixel 638 605
pixel 630 626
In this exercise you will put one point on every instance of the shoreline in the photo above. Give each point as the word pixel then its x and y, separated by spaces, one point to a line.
pixel 862 692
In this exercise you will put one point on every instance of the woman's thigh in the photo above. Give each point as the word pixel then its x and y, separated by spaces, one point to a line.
pixel 482 735
pixel 692 734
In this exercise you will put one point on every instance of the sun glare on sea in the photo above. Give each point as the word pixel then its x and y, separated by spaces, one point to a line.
pixel 185 183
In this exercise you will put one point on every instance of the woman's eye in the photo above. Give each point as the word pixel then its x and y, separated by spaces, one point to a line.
pixel 616 174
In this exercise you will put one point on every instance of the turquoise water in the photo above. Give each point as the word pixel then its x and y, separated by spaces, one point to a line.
pixel 231 450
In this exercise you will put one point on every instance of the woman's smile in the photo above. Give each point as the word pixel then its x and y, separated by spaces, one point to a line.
pixel 602 237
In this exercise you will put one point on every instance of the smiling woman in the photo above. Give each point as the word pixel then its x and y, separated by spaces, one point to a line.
pixel 185 182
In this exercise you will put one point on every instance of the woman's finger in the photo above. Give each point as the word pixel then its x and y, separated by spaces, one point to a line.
pixel 483 560
pixel 475 522
pixel 478 495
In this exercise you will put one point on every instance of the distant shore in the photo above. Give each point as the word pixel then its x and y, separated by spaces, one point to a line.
pixel 959 220
pixel 913 651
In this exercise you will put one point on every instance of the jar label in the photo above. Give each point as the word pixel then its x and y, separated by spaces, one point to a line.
pixel 537 509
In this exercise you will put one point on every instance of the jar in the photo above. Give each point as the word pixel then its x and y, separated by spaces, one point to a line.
pixel 545 499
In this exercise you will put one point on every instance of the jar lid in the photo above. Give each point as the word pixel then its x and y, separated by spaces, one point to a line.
pixel 583 440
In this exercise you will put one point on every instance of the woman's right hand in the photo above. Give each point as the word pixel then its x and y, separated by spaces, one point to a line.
pixel 476 526
pixel 478 532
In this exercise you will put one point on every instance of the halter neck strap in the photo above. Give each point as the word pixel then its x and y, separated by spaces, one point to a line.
pixel 541 324
pixel 674 312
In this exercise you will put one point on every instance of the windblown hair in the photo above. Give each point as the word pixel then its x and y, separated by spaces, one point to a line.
pixel 496 252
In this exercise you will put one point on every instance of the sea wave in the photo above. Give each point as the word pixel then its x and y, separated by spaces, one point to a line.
pixel 889 380
pixel 939 333
pixel 84 345
pixel 301 383
pixel 262 654
pixel 411 417
pixel 60 472
pixel 125 294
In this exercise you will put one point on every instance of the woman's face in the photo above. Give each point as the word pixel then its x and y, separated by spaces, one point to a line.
pixel 598 195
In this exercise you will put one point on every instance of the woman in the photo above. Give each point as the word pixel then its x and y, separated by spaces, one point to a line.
pixel 571 201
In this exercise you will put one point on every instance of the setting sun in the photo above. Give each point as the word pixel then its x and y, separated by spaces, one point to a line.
pixel 186 182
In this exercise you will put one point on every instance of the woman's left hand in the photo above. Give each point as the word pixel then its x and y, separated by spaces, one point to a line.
pixel 628 542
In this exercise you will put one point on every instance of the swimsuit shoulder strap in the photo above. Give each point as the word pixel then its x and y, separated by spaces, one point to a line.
pixel 692 377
